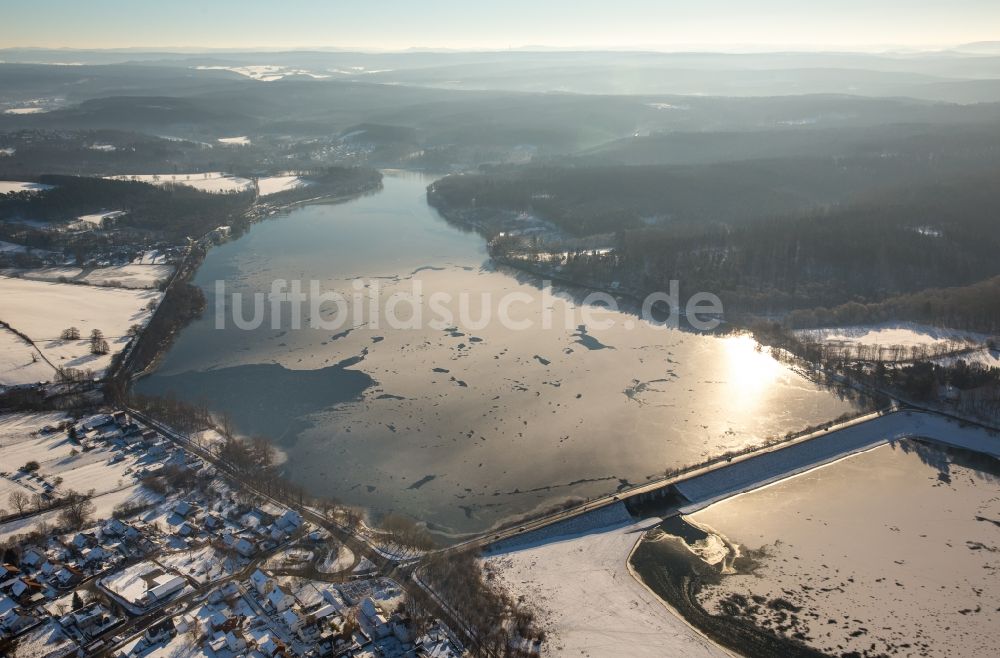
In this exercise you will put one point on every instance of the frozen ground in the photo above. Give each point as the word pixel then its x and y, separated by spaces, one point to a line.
pixel 151 257
pixel 8 186
pixel 909 334
pixel 130 276
pixel 42 642
pixel 20 436
pixel 129 583
pixel 337 559
pixel 308 592
pixel 275 184
pixel 242 140
pixel 588 601
pixel 97 219
pixel 25 110
pixel 215 182
pixel 44 273
pixel 133 275
pixel 10 247
pixel 21 363
pixel 984 357
pixel 21 441
pixel 203 565
pixel 42 310
pixel 104 506
pixel 264 72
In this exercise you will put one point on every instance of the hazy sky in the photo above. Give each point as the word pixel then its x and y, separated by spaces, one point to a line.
pixel 480 24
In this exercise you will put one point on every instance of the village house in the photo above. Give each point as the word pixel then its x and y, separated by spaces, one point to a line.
pixel 279 600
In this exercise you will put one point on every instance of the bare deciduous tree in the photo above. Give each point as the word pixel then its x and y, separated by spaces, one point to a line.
pixel 19 500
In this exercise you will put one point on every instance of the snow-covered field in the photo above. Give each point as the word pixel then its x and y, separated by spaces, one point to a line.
pixel 290 558
pixel 7 487
pixel 908 334
pixel 588 601
pixel 97 219
pixel 242 140
pixel 8 186
pixel 42 310
pixel 984 357
pixel 44 273
pixel 309 592
pixel 104 506
pixel 151 257
pixel 275 184
pixel 10 247
pixel 20 363
pixel 215 182
pixel 337 559
pixel 129 583
pixel 263 72
pixel 132 275
pixel 25 110
pixel 22 441
pixel 203 565
pixel 44 641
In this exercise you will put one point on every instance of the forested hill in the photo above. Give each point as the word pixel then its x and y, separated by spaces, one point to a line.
pixel 585 200
pixel 723 228
pixel 899 241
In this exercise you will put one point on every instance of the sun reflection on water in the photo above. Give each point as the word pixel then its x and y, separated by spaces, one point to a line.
pixel 750 371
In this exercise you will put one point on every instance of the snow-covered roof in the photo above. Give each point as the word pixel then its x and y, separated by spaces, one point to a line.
pixel 165 586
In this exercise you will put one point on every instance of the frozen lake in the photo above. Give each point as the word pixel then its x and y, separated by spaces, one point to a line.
pixel 465 424
pixel 891 551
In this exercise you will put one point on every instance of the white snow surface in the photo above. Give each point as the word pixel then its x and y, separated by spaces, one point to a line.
pixel 215 182
pixel 337 559
pixel 587 599
pixel 8 186
pixel 42 310
pixel 132 275
pixel 21 363
pixel 43 641
pixel 275 184
pixel 25 110
pixel 909 334
pixel 96 219
pixel 264 72
pixel 128 583
pixel 242 140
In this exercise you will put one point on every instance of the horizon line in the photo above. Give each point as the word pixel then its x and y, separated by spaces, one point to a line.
pixel 688 48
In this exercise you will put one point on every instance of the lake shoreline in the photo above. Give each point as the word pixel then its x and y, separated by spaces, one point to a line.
pixel 186 271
